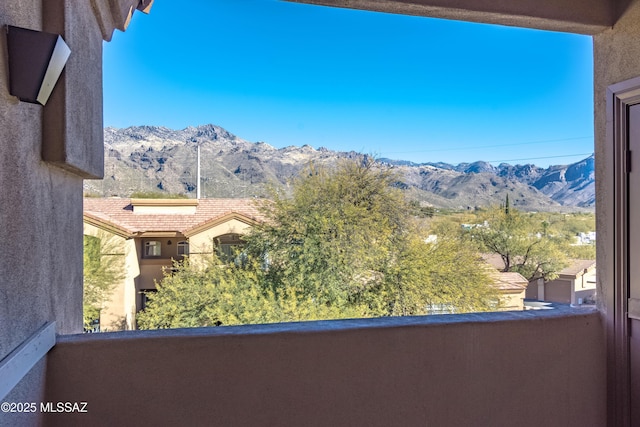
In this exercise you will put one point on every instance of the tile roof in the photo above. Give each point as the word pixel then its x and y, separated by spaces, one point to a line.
pixel 509 281
pixel 576 267
pixel 118 212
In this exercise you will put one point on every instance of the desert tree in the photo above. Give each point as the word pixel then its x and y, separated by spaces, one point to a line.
pixel 522 243
pixel 103 268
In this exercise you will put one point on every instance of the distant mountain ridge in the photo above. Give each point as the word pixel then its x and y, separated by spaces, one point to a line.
pixel 155 158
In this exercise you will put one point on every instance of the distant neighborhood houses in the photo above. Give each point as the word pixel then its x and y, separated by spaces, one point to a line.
pixel 467 227
pixel 151 233
pixel 575 284
pixel 586 238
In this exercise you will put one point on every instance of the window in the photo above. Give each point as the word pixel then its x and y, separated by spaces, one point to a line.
pixel 152 248
pixel 228 247
pixel 183 248
pixel 226 251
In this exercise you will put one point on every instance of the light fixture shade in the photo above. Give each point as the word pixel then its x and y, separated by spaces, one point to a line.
pixel 145 6
pixel 36 60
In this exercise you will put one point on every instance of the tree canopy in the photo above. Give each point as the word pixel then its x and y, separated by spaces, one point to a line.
pixel 343 244
pixel 522 242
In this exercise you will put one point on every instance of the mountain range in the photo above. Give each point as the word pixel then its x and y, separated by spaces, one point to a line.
pixel 152 159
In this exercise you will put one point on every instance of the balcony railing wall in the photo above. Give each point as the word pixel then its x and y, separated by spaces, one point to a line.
pixel 497 369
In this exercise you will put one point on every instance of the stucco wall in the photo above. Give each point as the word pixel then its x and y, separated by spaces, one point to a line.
pixel 512 300
pixel 41 201
pixel 497 369
pixel 585 288
pixel 579 16
pixel 119 310
pixel 202 243
pixel 152 271
pixel 167 250
pixel 532 290
pixel 73 137
pixel 133 277
pixel 41 221
pixel 616 58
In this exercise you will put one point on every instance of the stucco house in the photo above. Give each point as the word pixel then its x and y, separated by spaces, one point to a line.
pixel 150 234
pixel 511 288
pixel 575 284
pixel 430 370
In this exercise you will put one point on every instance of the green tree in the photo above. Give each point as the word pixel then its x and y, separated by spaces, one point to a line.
pixel 225 294
pixel 335 234
pixel 346 237
pixel 581 252
pixel 344 244
pixel 521 242
pixel 103 269
pixel 445 273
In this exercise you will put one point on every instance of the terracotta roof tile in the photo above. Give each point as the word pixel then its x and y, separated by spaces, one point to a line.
pixel 509 281
pixel 119 212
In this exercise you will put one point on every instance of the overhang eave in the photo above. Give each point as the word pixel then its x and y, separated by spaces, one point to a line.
pixel 573 16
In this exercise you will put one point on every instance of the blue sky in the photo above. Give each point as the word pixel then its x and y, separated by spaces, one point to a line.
pixel 402 87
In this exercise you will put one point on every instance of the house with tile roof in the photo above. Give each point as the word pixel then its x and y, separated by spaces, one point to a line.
pixel 511 287
pixel 575 284
pixel 150 234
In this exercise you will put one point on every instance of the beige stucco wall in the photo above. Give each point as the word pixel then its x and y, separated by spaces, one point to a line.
pixel 587 280
pixel 201 244
pixel 152 271
pixel 133 277
pixel 73 137
pixel 139 274
pixel 111 313
pixel 585 287
pixel 512 300
pixel 119 311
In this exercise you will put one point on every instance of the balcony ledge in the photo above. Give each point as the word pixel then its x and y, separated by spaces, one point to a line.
pixel 322 326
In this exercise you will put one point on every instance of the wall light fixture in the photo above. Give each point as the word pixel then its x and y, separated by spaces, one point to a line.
pixel 36 60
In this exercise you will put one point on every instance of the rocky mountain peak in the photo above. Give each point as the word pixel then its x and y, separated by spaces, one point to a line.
pixel 153 158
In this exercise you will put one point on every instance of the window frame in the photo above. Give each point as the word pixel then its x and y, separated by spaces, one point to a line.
pixel 182 248
pixel 148 244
